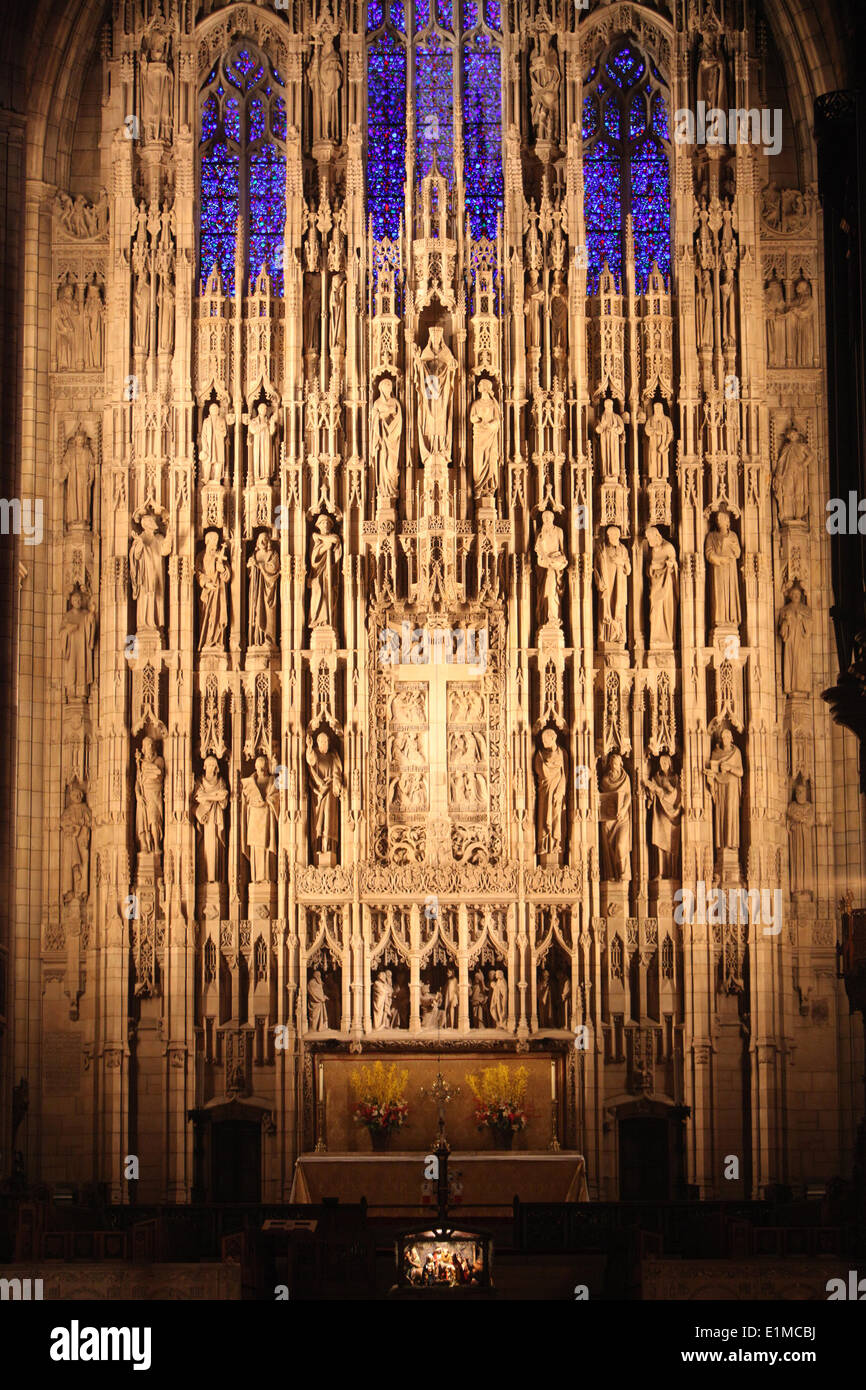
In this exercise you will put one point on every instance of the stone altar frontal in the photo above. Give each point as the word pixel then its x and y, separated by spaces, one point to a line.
pixel 488 1182
pixel 426 603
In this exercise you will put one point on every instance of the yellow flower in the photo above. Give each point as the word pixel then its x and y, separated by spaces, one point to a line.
pixel 499 1085
pixel 379 1084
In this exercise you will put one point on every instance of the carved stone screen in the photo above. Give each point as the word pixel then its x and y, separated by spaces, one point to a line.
pixel 436 611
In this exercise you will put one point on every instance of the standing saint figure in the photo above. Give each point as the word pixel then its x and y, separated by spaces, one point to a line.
pixel 452 998
pixel 801 325
pixel 478 1000
pixel 795 630
pixel 611 571
pixel 326 553
pixel 485 417
pixel 317 1003
pixel 705 310
pixel 611 437
pixel 659 436
pixel 791 478
pixel 386 430
pixel 435 369
pixel 149 806
pixel 213 573
pixel 211 799
pixel 77 631
pixel 141 314
pixel 550 776
pixel 711 71
pixel 550 559
pixel 75 823
pixel 264 570
pixel 722 551
pixel 78 469
pixel 326 779
pixel 381 998
pixel 66 328
pixel 261 429
pixel 498 1003
pixel 326 76
pixel 662 575
pixel 156 87
pixel 801 846
pixel 774 309
pixel 212 444
pixel 724 774
pixel 146 571
pixel 615 821
pixel 337 316
pixel 544 999
pixel 94 325
pixel 663 796
pixel 259 821
pixel 544 82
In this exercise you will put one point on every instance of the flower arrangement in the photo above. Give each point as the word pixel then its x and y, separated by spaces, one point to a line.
pixel 380 1102
pixel 500 1093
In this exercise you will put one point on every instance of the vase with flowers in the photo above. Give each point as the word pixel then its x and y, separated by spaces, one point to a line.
pixel 380 1103
pixel 500 1101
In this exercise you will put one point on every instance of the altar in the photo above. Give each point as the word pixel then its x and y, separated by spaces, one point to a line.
pixel 482 1184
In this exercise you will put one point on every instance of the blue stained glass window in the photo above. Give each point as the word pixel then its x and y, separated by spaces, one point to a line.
pixel 243 168
pixel 434 71
pixel 626 67
pixel 626 168
pixel 494 14
pixel 398 16
pixel 470 13
pixel 386 134
pixel 422 14
pixel 446 15
pixel 374 14
pixel 482 136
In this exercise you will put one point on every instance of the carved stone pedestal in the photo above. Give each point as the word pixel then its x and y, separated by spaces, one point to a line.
pixel 727 868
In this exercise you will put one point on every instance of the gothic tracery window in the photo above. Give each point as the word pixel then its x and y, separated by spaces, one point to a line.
pixel 243 167
pixel 626 166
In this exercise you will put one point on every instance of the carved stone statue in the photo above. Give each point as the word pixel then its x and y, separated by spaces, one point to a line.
pixel 795 630
pixel 382 997
pixel 544 999
pixel 149 805
pixel 774 309
pixel 615 821
pixel 659 436
pixel 801 843
pixel 611 439
pixel 712 84
pixel 78 469
pixel 77 635
pixel 317 1003
pixel 141 314
pixel 259 821
pixel 611 571
pixel 212 444
pixel 147 573
pixel 75 822
pixel 791 478
pixel 337 316
pixel 452 998
pixel 533 310
pixel 156 87
pixel 801 325
pixel 545 81
pixel 67 329
pixel 326 779
pixel 435 369
pixel 722 550
pixel 261 429
pixel 326 552
pixel 550 777
pixel 478 1000
pixel 264 570
pixel 326 76
pixel 94 326
pixel 498 1005
pixel 662 576
pixel 663 796
pixel 724 774
pixel 485 418
pixel 211 799
pixel 705 310
pixel 558 316
pixel 386 430
pixel 214 574
pixel 166 314
pixel 551 561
